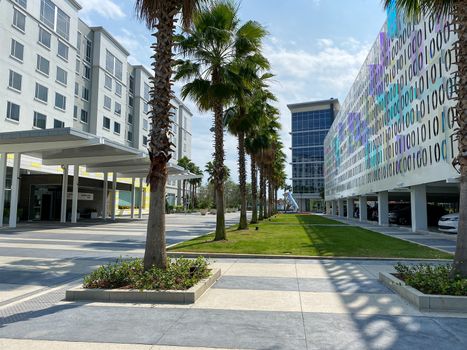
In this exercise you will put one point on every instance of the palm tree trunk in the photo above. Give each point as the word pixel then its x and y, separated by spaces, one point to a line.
pixel 460 18
pixel 254 191
pixel 265 196
pixel 219 170
pixel 243 224
pixel 261 193
pixel 159 145
pixel 270 199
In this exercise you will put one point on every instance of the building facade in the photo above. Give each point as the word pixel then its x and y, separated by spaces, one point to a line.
pixel 393 139
pixel 58 72
pixel 310 124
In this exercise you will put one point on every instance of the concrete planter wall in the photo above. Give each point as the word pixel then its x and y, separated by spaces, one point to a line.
pixel 144 296
pixel 424 302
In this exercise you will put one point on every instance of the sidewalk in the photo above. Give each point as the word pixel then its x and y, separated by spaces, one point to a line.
pixel 441 241
pixel 257 304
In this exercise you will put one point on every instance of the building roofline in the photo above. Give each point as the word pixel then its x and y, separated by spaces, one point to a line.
pixel 106 33
pixel 181 104
pixel 312 103
pixel 143 68
pixel 76 4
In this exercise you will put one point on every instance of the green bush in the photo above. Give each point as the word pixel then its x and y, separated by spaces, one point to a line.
pixel 181 274
pixel 432 279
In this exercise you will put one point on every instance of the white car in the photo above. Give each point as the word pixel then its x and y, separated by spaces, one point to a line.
pixel 448 223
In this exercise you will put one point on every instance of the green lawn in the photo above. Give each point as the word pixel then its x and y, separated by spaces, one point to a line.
pixel 309 235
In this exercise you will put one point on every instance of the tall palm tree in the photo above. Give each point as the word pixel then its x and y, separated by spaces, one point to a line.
pixel 160 16
pixel 211 49
pixel 458 10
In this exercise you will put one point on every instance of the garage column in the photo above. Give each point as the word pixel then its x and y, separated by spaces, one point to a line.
pixel 362 208
pixel 132 204
pixel 3 167
pixel 74 198
pixel 140 212
pixel 114 196
pixel 105 193
pixel 350 207
pixel 64 194
pixel 334 208
pixel 418 208
pixel 340 205
pixel 15 190
pixel 383 208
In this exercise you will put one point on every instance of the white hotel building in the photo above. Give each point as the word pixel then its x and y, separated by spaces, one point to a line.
pixel 393 140
pixel 71 102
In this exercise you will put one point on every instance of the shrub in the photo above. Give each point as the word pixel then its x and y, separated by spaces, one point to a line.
pixel 432 279
pixel 181 274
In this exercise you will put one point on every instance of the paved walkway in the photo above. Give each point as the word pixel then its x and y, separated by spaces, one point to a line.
pixel 257 304
pixel 442 241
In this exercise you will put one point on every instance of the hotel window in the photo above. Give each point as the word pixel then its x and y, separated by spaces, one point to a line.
pixel 118 69
pixel 75 112
pixel 106 123
pixel 118 89
pixel 78 66
pixel 130 118
pixel 107 102
pixel 145 124
pixel 19 20
pixel 17 50
pixel 132 84
pixel 85 94
pixel 118 108
pixel 62 50
pixel 86 72
pixel 88 50
pixel 45 37
pixel 58 124
pixel 109 62
pixel 22 3
pixel 145 140
pixel 15 81
pixel 60 101
pixel 76 89
pixel 42 93
pixel 145 107
pixel 108 82
pixel 78 44
pixel 131 101
pixel 43 65
pixel 40 120
pixel 62 77
pixel 129 136
pixel 12 111
pixel 147 89
pixel 55 18
pixel 84 116
pixel 117 128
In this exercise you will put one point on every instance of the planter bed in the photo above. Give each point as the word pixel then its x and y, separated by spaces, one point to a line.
pixel 188 296
pixel 424 302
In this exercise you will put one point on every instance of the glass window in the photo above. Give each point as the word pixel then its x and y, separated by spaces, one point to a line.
pixel 45 37
pixel 76 89
pixel 145 140
pixel 131 101
pixel 107 102
pixel 48 13
pixel 132 84
pixel 106 123
pixel 84 116
pixel 43 65
pixel 78 66
pixel 145 107
pixel 15 80
pixel 118 89
pixel 86 71
pixel 17 50
pixel 129 136
pixel 108 82
pixel 116 128
pixel 85 94
pixel 12 111
pixel 130 118
pixel 19 20
pixel 63 24
pixel 22 3
pixel 60 101
pixel 78 44
pixel 118 108
pixel 109 62
pixel 145 124
pixel 42 93
pixel 62 50
pixel 58 124
pixel 88 50
pixel 62 76
pixel 75 112
pixel 146 92
pixel 118 69
pixel 40 120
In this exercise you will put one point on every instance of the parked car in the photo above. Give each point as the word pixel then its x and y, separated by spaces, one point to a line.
pixel 403 216
pixel 449 223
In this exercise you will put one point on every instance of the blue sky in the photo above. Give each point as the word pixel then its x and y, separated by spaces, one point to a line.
pixel 316 48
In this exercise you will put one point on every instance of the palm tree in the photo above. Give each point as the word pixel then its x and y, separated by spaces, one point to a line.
pixel 211 49
pixel 458 9
pixel 184 162
pixel 160 16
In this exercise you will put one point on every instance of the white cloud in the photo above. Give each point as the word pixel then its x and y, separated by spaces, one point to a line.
pixel 106 8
